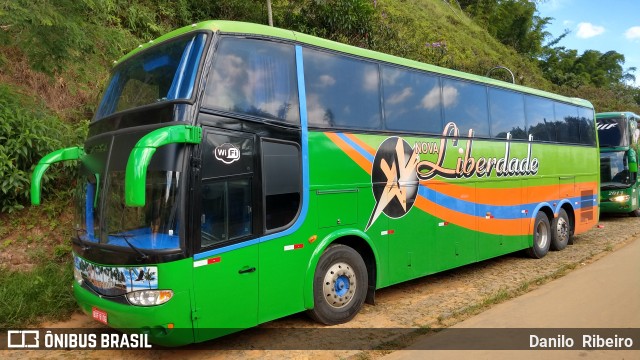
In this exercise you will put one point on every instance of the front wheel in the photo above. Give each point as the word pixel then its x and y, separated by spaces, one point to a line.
pixel 635 213
pixel 560 231
pixel 339 285
pixel 541 237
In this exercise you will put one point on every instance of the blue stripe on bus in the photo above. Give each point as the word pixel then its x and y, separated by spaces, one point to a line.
pixel 497 211
pixel 356 147
pixel 305 172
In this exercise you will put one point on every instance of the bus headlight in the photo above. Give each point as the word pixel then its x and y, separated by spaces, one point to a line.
pixel 620 198
pixel 149 297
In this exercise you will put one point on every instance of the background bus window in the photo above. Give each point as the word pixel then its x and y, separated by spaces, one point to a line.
pixel 507 114
pixel 282 182
pixel 254 77
pixel 567 123
pixel 226 211
pixel 465 104
pixel 412 101
pixel 341 91
pixel 540 118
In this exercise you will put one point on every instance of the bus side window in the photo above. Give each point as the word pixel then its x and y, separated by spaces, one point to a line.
pixel 342 91
pixel 412 100
pixel 587 131
pixel 507 114
pixel 465 104
pixel 540 118
pixel 282 183
pixel 567 123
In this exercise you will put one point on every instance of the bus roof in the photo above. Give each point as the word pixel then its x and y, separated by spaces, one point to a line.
pixel 236 27
pixel 627 114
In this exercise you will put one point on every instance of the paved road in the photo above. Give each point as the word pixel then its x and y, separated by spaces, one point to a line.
pixel 604 294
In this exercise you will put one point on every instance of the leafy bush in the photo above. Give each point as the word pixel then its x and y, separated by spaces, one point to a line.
pixel 25 137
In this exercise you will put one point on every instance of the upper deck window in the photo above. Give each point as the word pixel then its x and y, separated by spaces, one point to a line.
pixel 254 77
pixel 161 73
pixel 342 91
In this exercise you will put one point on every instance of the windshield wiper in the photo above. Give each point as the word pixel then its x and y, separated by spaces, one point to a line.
pixel 124 237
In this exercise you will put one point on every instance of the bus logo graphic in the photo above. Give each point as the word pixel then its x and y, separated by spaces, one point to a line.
pixel 394 178
pixel 227 153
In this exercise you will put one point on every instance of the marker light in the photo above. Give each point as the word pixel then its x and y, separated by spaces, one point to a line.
pixel 149 297
pixel 620 198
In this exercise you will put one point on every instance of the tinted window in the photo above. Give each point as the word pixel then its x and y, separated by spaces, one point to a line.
pixel 507 114
pixel 341 91
pixel 466 105
pixel 540 119
pixel 226 211
pixel 567 124
pixel 613 132
pixel 587 127
pixel 254 77
pixel 412 100
pixel 282 182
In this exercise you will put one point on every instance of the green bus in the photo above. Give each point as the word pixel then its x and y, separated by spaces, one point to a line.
pixel 618 133
pixel 236 173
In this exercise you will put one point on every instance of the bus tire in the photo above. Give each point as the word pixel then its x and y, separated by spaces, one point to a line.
pixel 541 237
pixel 635 213
pixel 560 231
pixel 339 285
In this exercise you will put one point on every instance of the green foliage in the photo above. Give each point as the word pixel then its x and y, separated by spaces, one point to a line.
pixel 565 67
pixel 44 292
pixel 25 137
pixel 512 22
pixel 348 21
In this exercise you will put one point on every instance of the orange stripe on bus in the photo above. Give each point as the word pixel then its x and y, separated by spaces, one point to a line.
pixel 362 144
pixel 511 196
pixel 351 152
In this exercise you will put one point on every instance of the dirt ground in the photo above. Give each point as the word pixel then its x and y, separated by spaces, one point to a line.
pixel 402 312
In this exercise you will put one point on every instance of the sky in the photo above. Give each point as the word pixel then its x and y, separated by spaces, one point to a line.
pixel 601 25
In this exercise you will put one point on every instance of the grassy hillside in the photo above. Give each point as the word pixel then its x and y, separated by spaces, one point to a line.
pixel 443 35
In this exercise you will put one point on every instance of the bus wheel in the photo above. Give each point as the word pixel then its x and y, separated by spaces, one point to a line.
pixel 635 213
pixel 339 285
pixel 541 237
pixel 560 231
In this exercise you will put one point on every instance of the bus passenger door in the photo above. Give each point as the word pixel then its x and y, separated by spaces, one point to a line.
pixel 225 265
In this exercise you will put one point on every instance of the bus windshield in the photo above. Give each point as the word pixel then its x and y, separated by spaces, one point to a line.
pixel 152 227
pixel 614 172
pixel 613 132
pixel 162 73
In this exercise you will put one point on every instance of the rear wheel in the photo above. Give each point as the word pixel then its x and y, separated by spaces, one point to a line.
pixel 541 237
pixel 560 231
pixel 339 285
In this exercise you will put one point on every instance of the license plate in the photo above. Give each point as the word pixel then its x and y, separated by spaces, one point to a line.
pixel 99 315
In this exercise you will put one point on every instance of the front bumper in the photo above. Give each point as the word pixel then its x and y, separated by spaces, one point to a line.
pixel 152 320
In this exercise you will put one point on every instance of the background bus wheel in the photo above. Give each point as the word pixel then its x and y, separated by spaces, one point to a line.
pixel 560 231
pixel 541 237
pixel 339 285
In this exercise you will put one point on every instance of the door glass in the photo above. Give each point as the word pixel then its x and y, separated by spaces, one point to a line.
pixel 226 211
